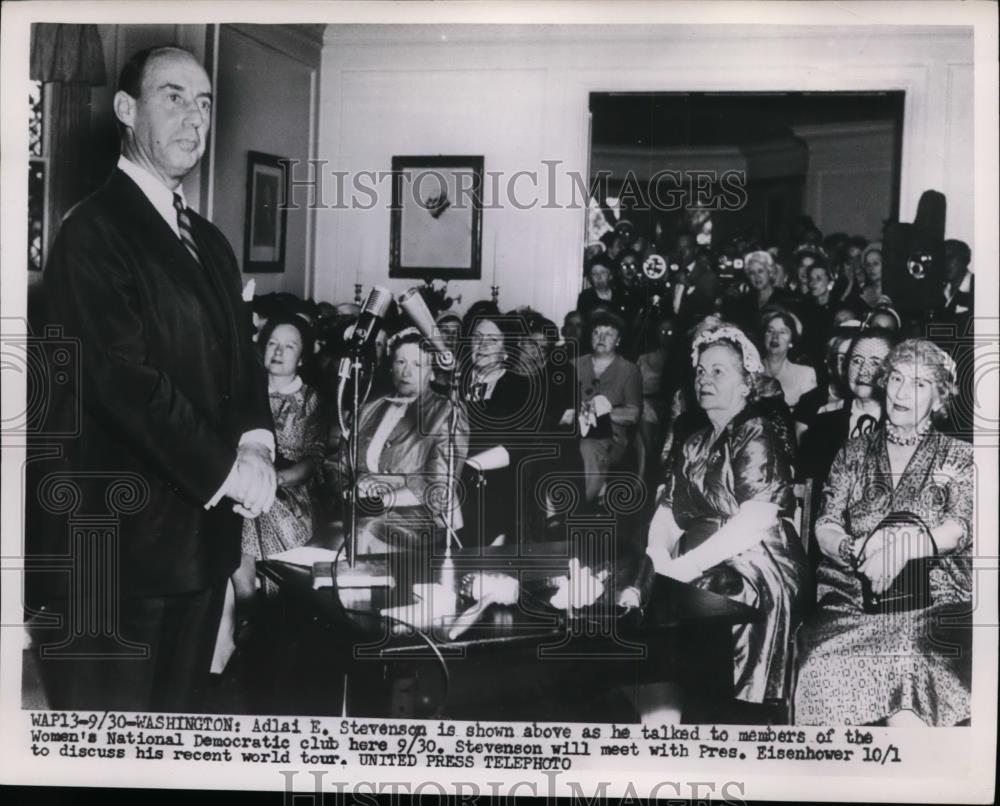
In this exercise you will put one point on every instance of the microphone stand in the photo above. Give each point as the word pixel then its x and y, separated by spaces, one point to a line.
pixel 351 368
pixel 451 480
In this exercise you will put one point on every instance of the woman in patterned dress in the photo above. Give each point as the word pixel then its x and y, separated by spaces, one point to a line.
pixel 893 667
pixel 300 438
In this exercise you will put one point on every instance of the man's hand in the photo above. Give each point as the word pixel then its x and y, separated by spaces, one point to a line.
pixel 252 481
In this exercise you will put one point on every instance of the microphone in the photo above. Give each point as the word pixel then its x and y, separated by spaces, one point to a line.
pixel 371 317
pixel 415 307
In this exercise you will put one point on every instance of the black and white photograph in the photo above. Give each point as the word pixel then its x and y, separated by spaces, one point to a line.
pixel 502 400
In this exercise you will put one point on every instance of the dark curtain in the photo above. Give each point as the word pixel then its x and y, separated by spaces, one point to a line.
pixel 69 60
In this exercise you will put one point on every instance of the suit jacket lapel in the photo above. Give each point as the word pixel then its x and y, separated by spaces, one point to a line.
pixel 162 241
pixel 406 424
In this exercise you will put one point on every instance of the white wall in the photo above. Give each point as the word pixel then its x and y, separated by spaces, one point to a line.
pixel 518 95
pixel 848 184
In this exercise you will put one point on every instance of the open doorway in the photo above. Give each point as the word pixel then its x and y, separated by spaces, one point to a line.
pixel 735 171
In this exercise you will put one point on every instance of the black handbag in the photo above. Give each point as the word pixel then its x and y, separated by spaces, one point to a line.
pixel 911 589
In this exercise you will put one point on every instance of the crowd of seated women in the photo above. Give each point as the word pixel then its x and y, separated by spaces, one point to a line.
pixel 730 402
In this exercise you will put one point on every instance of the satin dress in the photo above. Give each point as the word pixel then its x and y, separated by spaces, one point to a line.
pixel 709 481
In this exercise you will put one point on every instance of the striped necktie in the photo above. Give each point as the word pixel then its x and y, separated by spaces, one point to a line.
pixel 184 227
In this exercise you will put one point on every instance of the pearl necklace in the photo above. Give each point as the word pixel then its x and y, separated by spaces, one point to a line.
pixel 892 434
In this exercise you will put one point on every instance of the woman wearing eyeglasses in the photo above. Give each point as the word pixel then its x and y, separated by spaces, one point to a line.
pixel 858 414
pixel 503 406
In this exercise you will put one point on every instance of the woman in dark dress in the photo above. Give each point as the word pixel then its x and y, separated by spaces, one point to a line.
pixel 604 291
pixel 859 413
pixel 549 368
pixel 859 667
pixel 723 520
pixel 504 411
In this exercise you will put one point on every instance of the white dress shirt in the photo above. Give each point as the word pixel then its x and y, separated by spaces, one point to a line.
pixel 159 195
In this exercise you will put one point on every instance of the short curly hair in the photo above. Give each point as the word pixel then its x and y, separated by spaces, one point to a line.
pixel 761 257
pixel 921 353
pixel 409 336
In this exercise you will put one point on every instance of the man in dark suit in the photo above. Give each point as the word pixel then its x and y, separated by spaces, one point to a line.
pixel 171 407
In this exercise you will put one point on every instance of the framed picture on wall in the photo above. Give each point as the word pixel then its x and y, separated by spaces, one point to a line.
pixel 265 226
pixel 437 218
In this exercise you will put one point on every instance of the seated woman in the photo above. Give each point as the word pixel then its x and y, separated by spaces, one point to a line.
pixel 769 403
pixel 858 668
pixel 723 517
pixel 833 386
pixel 684 416
pixel 550 370
pixel 781 332
pixel 610 402
pixel 883 316
pixel 817 313
pixel 300 443
pixel 858 413
pixel 403 447
pixel 504 409
pixel 604 292
pixel 871 263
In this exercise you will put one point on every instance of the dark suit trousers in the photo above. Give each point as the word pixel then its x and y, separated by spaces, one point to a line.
pixel 159 659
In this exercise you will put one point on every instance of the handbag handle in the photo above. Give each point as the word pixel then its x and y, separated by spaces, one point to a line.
pixel 902 518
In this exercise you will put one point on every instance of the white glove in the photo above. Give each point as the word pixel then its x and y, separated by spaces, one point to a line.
pixel 601 405
pixel 580 589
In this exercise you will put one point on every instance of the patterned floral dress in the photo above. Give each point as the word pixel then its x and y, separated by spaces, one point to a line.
pixel 858 668
pixel 299 433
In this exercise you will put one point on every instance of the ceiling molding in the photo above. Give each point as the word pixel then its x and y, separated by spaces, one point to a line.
pixel 815 131
pixel 303 43
pixel 353 34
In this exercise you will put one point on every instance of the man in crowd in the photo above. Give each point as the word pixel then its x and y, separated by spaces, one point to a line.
pixel 172 400
pixel 959 289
